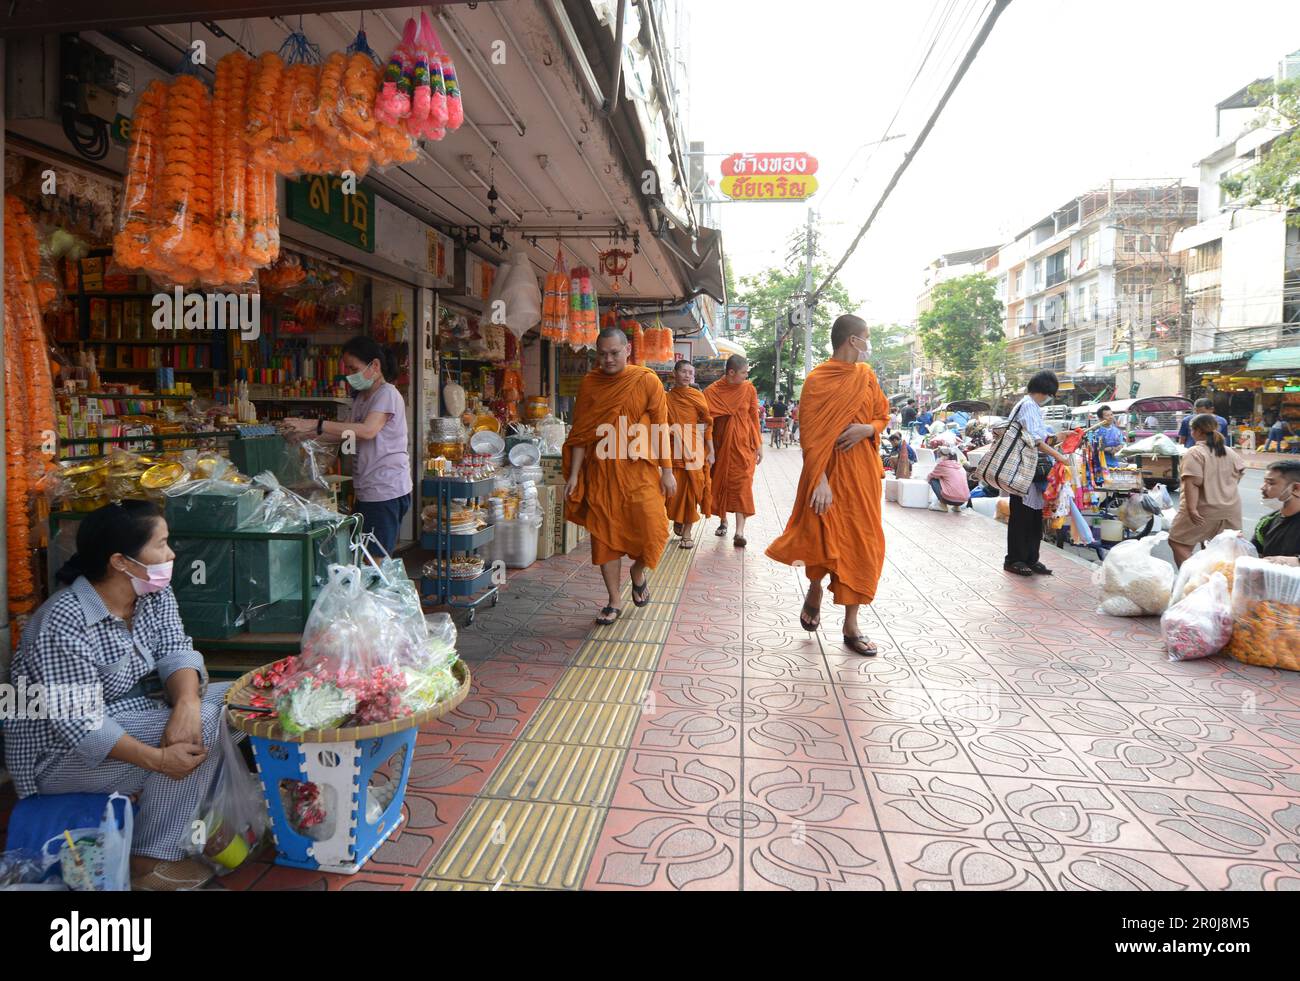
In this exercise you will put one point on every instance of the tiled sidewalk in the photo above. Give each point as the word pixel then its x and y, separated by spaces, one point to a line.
pixel 1007 737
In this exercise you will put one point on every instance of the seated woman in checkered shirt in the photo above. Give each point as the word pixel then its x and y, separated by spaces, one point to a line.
pixel 90 647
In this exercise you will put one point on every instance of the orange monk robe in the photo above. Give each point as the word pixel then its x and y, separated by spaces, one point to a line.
pixel 622 420
pixel 848 541
pixel 689 415
pixel 736 439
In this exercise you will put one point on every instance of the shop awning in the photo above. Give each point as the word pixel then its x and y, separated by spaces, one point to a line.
pixel 1278 359
pixel 1214 357
pixel 701 255
pixel 728 348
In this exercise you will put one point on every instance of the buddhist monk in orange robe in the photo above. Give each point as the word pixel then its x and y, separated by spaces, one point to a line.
pixel 619 460
pixel 737 443
pixel 692 432
pixel 835 527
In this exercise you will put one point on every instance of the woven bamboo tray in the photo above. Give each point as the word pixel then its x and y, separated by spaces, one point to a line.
pixel 258 724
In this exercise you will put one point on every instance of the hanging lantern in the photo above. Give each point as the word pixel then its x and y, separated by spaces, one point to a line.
pixel 614 264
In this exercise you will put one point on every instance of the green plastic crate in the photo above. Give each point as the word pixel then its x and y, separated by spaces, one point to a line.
pixel 212 512
pixel 268 571
pixel 254 454
pixel 211 621
pixel 282 617
pixel 212 581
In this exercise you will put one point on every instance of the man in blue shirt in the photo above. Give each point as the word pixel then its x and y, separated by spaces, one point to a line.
pixel 1184 430
pixel 1279 431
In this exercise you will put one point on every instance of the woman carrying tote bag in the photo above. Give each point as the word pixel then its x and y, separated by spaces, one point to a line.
pixel 1025 527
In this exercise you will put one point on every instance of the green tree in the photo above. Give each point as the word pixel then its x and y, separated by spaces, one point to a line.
pixel 966 316
pixel 770 295
pixel 1002 370
pixel 1275 179
pixel 891 352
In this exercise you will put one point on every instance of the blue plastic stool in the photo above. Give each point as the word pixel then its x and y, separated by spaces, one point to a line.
pixel 343 772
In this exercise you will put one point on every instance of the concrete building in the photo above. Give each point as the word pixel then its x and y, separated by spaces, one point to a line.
pixel 1096 278
pixel 1243 270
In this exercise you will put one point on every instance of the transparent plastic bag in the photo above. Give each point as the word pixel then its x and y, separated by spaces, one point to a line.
pixel 1200 624
pixel 348 670
pixel 231 819
pixel 1133 582
pixel 1219 555
pixel 1266 611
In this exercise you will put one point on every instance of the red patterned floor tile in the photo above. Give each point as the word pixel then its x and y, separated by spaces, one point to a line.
pixel 688 731
pixel 677 783
pixel 643 851
pixel 412 847
pixel 681 690
pixel 802 740
pixel 704 659
pixel 454 764
pixel 493 716
pixel 1242 875
pixel 948 864
pixel 818 859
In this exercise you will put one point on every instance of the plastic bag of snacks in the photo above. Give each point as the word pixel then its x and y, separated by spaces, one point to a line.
pixel 430 679
pixel 1266 607
pixel 1199 624
pixel 1134 583
pixel 231 818
pixel 346 674
pixel 1219 556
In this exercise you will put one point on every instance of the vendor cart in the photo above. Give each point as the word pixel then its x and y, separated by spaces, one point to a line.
pixel 444 589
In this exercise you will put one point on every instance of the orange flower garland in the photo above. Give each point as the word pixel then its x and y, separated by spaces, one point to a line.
pixel 229 168
pixel 132 245
pixel 29 398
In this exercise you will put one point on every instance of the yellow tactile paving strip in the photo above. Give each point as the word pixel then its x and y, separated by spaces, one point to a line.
pixel 537 821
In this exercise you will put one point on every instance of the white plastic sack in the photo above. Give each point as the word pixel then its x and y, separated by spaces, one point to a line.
pixel 1219 555
pixel 1157 445
pixel 1201 623
pixel 1133 582
pixel 521 295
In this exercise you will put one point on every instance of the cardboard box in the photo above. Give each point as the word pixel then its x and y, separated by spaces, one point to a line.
pixel 572 536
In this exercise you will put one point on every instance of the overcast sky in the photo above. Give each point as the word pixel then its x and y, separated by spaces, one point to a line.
pixel 1064 95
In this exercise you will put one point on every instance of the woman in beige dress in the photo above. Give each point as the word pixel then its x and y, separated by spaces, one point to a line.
pixel 1209 501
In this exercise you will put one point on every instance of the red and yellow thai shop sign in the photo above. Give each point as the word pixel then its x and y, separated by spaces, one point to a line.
pixel 769 176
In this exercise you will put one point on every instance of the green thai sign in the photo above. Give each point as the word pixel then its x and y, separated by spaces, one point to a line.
pixel 1121 357
pixel 319 203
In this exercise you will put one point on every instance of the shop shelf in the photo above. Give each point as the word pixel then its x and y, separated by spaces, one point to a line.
pixel 457 488
pixel 457 543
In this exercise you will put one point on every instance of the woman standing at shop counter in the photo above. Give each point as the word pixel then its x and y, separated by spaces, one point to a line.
pixel 381 473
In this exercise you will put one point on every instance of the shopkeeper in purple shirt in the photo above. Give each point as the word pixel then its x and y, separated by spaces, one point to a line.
pixel 381 474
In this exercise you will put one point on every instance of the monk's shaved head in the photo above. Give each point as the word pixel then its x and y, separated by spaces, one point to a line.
pixel 737 362
pixel 846 325
pixel 609 334
pixel 612 350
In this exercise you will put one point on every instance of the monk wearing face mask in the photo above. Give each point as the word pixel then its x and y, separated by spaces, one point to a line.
pixel 738 446
pixel 692 433
pixel 835 528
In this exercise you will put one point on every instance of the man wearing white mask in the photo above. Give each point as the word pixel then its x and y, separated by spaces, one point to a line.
pixel 1277 536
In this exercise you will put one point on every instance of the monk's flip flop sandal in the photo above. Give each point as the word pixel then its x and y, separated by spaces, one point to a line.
pixel 739 542
pixel 686 543
pixel 722 531
pixel 860 645
pixel 611 612
pixel 810 618
pixel 643 591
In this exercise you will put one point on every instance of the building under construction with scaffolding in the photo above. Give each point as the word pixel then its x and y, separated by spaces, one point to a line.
pixel 1094 292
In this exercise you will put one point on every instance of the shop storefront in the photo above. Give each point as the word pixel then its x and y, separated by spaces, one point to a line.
pixel 180 329
pixel 1252 391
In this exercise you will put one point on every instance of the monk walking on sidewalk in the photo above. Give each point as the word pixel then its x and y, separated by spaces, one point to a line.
pixel 738 446
pixel 619 466
pixel 835 526
pixel 692 428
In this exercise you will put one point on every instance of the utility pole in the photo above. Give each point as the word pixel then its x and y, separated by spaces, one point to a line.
pixel 808 297
pixel 776 369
